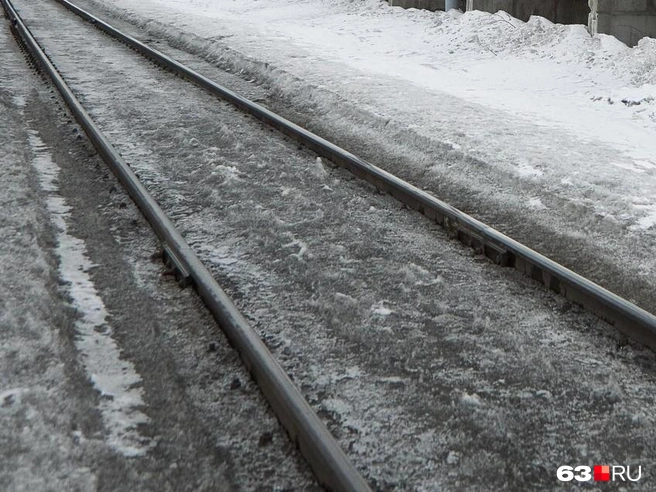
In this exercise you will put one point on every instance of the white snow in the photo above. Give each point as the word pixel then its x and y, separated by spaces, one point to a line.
pixel 317 170
pixel 471 400
pixel 113 377
pixel 647 221
pixel 230 174
pixel 380 309
pixel 453 458
pixel 302 248
pixel 19 100
pixel 537 204
pixel 357 316
pixel 536 99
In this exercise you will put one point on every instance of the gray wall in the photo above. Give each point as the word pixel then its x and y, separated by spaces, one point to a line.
pixel 627 20
pixel 561 11
pixel 418 4
pixel 424 4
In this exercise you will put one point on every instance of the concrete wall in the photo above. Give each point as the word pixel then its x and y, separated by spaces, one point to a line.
pixel 418 4
pixel 424 4
pixel 627 20
pixel 561 11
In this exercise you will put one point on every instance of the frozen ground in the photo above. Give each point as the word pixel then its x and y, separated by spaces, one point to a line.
pixel 435 370
pixel 539 129
pixel 595 90
pixel 106 380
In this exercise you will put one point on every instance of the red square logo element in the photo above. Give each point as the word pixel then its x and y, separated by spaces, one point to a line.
pixel 601 473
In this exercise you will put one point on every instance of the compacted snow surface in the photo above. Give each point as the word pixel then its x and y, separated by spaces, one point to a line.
pixel 116 380
pixel 433 368
pixel 538 129
pixel 594 93
pixel 92 396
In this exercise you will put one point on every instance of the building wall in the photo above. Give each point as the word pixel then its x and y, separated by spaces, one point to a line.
pixel 418 4
pixel 561 11
pixel 627 20
pixel 424 4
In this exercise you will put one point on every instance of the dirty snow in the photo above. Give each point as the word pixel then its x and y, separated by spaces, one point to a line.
pixel 430 380
pixel 114 378
pixel 484 111
pixel 410 349
pixel 54 414
pixel 36 452
pixel 396 63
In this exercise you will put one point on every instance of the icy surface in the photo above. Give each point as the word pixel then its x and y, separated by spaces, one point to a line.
pixel 538 129
pixel 434 369
pixel 114 378
pixel 52 432
pixel 596 92
pixel 37 452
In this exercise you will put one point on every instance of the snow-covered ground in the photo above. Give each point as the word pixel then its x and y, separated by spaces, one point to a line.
pixel 514 380
pixel 540 130
pixel 595 90
pixel 435 370
pixel 106 382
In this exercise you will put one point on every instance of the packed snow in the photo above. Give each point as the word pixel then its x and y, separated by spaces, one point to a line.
pixel 593 91
pixel 113 377
pixel 431 367
pixel 405 351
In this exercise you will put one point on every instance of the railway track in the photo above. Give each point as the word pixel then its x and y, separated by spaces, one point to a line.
pixel 332 467
pixel 635 322
pixel 328 461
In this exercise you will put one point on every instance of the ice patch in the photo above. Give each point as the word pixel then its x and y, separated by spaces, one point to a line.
pixel 114 378
pixel 394 380
pixel 19 101
pixel 648 221
pixel 317 170
pixel 544 394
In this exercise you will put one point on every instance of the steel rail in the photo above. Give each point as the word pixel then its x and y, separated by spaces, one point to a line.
pixel 327 460
pixel 635 322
